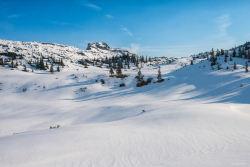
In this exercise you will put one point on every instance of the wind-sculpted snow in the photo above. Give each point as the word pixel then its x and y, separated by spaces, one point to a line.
pixel 199 116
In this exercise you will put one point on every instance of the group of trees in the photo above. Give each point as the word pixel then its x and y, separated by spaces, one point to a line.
pixel 243 52
pixel 115 62
pixel 141 82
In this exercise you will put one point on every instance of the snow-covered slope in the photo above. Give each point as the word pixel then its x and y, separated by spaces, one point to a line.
pixel 199 116
pixel 99 50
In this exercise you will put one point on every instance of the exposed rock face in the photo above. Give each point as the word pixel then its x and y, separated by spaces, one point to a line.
pixel 98 45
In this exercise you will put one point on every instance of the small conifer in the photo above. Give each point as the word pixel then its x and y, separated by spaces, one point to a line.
pixel 51 69
pixel 235 67
pixel 159 74
pixel 111 71
pixel 139 76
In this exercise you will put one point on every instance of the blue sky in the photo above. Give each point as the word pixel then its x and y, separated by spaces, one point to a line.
pixel 153 28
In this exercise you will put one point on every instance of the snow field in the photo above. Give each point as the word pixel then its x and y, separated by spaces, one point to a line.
pixel 199 117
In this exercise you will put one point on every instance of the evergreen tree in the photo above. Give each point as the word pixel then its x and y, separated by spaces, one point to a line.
pixel 137 62
pixel 119 70
pixel 212 52
pixel 62 64
pixel 217 52
pixel 159 74
pixel 142 59
pixel 110 63
pixel 239 52
pixel 12 64
pixel 58 69
pixel 227 68
pixel 51 69
pixel 42 64
pixel 111 71
pixel 226 53
pixel 128 65
pixel 85 65
pixel 16 64
pixel 246 67
pixel 24 69
pixel 218 68
pixel 222 52
pixel 246 46
pixel 231 59
pixel 139 76
pixel 225 60
pixel 191 62
pixel 234 53
pixel 235 67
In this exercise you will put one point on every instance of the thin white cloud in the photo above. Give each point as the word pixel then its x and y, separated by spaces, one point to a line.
pixel 64 23
pixel 16 15
pixel 126 30
pixel 109 16
pixel 87 4
pixel 134 48
pixel 13 16
pixel 90 5
pixel 222 22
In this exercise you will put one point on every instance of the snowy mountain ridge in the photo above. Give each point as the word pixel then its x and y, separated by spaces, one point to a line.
pixel 98 50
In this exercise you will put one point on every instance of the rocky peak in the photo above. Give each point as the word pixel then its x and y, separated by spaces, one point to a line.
pixel 98 45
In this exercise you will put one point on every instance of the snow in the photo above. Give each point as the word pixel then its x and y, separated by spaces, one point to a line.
pixel 196 117
pixel 36 49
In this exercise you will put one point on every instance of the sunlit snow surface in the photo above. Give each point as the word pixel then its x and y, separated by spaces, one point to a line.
pixel 199 117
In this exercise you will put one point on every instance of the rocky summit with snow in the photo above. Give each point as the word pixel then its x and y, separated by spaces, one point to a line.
pixel 98 50
pixel 105 107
